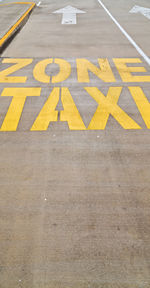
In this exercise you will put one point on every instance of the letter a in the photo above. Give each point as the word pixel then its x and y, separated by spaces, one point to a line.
pixel 70 113
pixel 48 113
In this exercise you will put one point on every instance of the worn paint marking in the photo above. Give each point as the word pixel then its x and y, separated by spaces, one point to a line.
pixel 144 11
pixel 107 105
pixel 140 51
pixel 16 71
pixel 69 14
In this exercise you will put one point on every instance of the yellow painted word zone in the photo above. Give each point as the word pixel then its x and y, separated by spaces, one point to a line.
pixel 130 70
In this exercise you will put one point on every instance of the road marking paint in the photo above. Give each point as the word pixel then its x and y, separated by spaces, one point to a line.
pixel 64 70
pixel 16 25
pixel 19 63
pixel 104 72
pixel 15 109
pixel 39 3
pixel 140 51
pixel 125 71
pixel 108 105
pixel 144 11
pixel 48 113
pixel 69 14
pixel 142 104
pixel 70 112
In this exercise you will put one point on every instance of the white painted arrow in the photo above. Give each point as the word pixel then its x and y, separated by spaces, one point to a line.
pixel 142 10
pixel 69 14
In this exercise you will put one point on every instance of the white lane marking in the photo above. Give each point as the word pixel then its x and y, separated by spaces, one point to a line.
pixel 69 14
pixel 142 10
pixel 39 3
pixel 140 51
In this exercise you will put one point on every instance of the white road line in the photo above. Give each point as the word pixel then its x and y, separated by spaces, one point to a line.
pixel 39 3
pixel 140 51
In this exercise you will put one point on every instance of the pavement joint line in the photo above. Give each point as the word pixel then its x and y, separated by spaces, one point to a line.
pixel 140 51
pixel 16 26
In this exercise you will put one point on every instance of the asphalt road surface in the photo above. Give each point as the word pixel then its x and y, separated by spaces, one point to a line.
pixel 75 147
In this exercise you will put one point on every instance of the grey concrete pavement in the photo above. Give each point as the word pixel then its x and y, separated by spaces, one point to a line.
pixel 136 25
pixel 95 35
pixel 12 17
pixel 74 205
